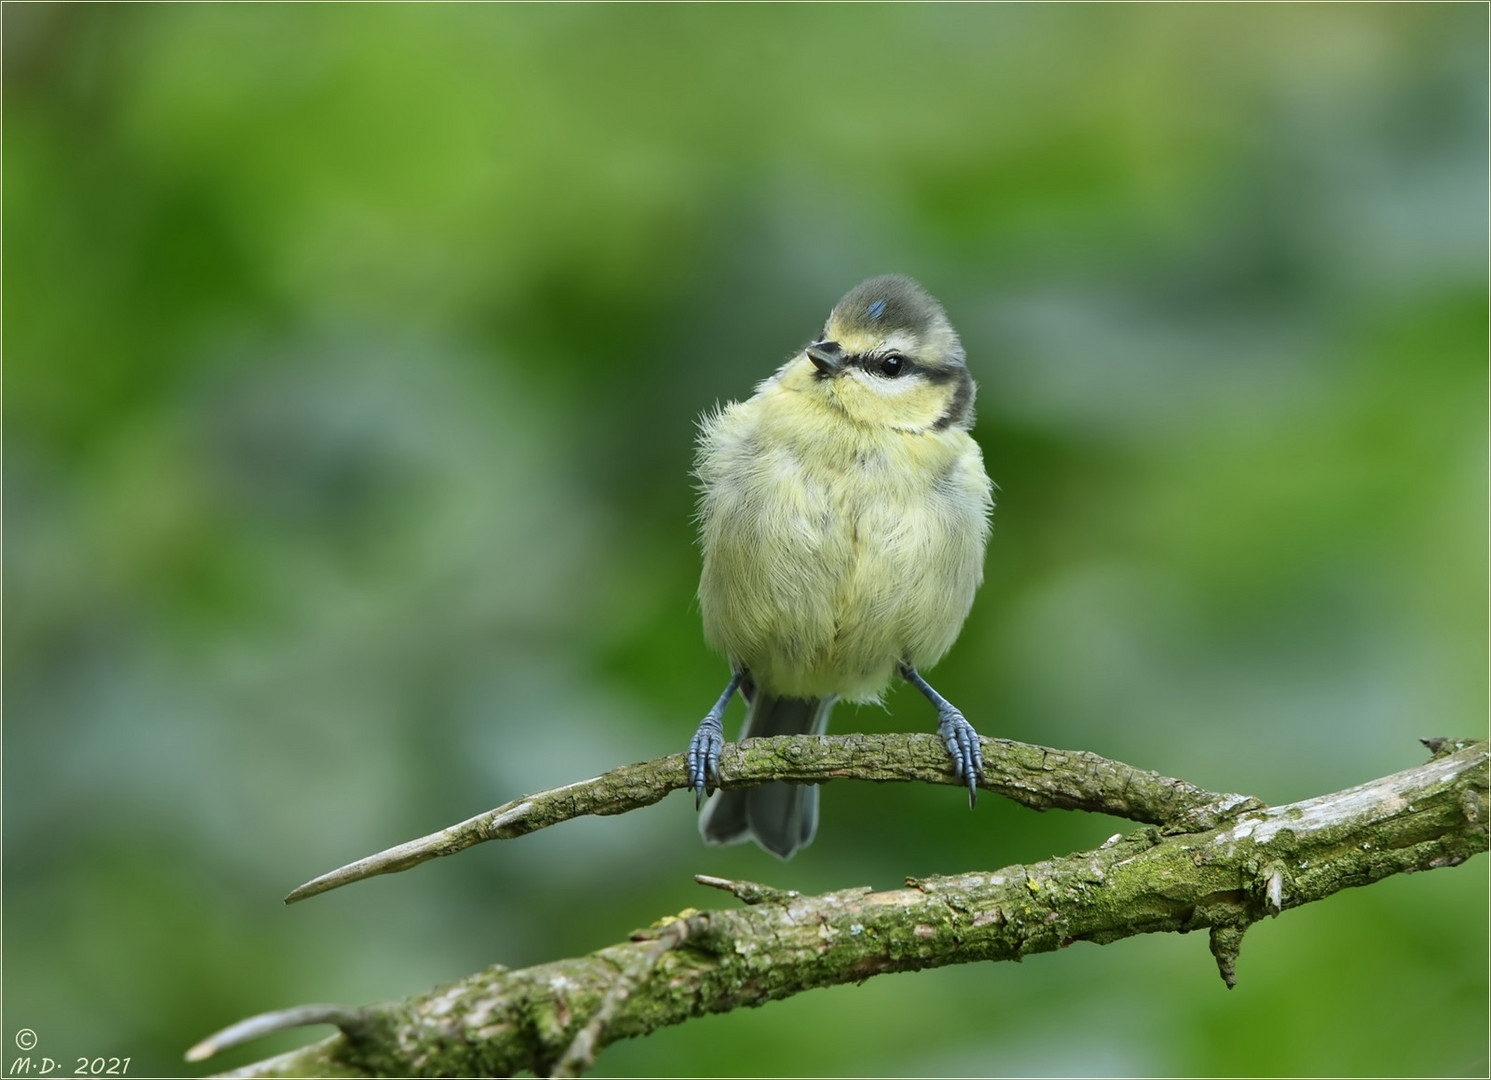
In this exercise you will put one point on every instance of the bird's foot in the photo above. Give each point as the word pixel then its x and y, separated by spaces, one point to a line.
pixel 704 758
pixel 967 754
pixel 962 741
pixel 704 748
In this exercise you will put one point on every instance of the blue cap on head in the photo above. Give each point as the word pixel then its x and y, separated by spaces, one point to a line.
pixel 888 303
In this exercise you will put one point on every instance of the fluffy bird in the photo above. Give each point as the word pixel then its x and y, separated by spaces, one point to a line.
pixel 843 513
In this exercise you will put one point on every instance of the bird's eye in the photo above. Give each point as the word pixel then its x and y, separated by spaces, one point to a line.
pixel 892 366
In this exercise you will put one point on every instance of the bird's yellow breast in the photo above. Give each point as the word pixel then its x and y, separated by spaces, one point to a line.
pixel 835 550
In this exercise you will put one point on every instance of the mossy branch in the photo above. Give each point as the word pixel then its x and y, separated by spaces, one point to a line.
pixel 1035 776
pixel 1216 875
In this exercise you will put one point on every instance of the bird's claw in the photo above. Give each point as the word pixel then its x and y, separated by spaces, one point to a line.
pixel 704 758
pixel 967 754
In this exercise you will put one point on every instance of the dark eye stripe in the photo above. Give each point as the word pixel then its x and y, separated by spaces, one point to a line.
pixel 874 364
pixel 886 365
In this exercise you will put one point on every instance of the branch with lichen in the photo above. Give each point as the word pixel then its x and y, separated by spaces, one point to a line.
pixel 1203 870
pixel 1035 776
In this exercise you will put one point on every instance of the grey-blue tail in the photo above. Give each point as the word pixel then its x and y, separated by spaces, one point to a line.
pixel 780 817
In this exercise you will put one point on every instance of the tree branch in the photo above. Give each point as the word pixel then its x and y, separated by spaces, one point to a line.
pixel 1219 876
pixel 1035 776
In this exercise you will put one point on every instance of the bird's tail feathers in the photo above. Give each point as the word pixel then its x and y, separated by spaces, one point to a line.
pixel 781 817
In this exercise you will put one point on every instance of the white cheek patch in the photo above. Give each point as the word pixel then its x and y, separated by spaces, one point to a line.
pixel 886 387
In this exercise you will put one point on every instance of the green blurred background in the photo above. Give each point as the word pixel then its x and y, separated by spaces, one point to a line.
pixel 354 359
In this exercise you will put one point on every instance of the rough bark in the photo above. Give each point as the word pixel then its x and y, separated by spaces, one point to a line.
pixel 1035 776
pixel 1197 873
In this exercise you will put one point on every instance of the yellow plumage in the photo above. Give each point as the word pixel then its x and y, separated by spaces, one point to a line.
pixel 835 549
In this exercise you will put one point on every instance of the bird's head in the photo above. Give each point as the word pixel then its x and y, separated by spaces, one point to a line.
pixel 888 357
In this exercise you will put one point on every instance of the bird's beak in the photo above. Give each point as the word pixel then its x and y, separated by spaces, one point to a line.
pixel 827 356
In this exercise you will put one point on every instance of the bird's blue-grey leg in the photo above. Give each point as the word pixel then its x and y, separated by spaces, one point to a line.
pixel 704 748
pixel 962 741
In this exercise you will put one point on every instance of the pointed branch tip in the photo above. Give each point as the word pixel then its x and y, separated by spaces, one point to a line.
pixel 748 891
pixel 344 1017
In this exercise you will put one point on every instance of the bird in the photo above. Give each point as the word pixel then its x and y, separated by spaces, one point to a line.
pixel 843 516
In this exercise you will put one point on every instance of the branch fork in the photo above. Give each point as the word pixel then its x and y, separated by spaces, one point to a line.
pixel 1204 861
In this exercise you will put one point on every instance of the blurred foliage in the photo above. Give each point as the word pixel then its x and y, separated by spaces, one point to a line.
pixel 354 357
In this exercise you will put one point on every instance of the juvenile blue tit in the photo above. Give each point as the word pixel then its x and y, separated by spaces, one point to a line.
pixel 843 515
